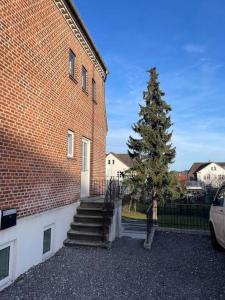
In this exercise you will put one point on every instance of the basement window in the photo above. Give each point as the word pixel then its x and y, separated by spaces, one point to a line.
pixel 47 240
pixel 70 144
pixel 6 263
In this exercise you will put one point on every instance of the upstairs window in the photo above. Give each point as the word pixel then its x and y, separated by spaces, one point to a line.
pixel 84 79
pixel 113 162
pixel 93 90
pixel 109 162
pixel 71 63
pixel 70 144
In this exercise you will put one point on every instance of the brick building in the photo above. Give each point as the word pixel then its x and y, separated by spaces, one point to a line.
pixel 52 126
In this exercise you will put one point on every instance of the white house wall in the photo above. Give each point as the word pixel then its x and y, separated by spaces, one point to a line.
pixel 211 174
pixel 113 169
pixel 26 237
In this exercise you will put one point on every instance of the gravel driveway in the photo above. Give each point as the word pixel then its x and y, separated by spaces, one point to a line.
pixel 179 266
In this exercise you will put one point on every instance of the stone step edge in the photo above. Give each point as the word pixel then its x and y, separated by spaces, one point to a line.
pixel 75 232
pixel 71 243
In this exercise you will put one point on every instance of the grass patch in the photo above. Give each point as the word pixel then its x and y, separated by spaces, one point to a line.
pixel 133 215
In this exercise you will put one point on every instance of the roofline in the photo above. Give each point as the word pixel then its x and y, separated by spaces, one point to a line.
pixel 211 162
pixel 77 16
pixel 118 157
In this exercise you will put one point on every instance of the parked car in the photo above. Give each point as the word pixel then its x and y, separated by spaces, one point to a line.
pixel 217 219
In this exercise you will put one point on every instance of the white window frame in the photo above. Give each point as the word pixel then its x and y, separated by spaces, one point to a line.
pixel 70 155
pixel 7 280
pixel 46 255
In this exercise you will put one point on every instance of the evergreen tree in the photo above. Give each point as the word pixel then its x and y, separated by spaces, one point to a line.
pixel 152 151
pixel 176 189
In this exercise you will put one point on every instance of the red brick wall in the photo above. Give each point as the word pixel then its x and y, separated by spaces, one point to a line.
pixel 39 103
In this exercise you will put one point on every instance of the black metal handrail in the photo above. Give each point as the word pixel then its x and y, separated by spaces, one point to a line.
pixel 98 187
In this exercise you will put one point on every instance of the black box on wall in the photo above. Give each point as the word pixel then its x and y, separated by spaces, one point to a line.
pixel 8 218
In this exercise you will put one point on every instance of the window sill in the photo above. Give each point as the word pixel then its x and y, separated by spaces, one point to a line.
pixel 70 157
pixel 73 79
pixel 85 91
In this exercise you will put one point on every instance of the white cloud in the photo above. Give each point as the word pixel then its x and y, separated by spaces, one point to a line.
pixel 194 48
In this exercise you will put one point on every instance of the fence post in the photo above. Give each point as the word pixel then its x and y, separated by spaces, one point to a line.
pixel 155 213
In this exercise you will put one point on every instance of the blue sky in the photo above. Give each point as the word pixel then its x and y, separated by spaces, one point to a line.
pixel 185 40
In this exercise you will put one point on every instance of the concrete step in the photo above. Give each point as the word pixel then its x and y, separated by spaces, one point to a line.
pixel 90 219
pixel 77 243
pixel 85 236
pixel 94 211
pixel 95 204
pixel 92 204
pixel 87 227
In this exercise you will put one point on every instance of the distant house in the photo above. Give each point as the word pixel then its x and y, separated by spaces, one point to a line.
pixel 182 177
pixel 210 173
pixel 117 164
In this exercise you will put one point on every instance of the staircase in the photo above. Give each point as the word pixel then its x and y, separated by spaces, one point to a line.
pixel 90 226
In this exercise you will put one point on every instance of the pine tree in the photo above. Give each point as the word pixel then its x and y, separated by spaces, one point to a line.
pixel 152 151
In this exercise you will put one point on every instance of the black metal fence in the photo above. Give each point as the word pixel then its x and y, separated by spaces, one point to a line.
pixel 188 216
pixel 98 187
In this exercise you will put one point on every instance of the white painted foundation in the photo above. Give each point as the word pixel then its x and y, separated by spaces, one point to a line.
pixel 115 228
pixel 26 238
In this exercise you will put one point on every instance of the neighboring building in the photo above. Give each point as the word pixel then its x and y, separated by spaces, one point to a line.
pixel 116 164
pixel 182 177
pixel 52 126
pixel 207 174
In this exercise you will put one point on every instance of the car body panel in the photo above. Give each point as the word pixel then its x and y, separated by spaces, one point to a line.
pixel 217 216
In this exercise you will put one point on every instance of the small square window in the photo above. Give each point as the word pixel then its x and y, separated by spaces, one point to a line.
pixel 71 64
pixel 84 79
pixel 47 240
pixel 4 262
pixel 93 90
pixel 70 144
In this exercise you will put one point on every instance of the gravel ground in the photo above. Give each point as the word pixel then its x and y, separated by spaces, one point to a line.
pixel 179 266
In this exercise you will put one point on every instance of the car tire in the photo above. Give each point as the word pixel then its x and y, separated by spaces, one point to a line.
pixel 215 244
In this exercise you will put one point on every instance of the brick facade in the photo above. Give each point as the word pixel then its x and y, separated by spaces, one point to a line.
pixel 39 103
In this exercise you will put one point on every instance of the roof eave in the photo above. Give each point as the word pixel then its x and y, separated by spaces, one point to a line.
pixel 75 13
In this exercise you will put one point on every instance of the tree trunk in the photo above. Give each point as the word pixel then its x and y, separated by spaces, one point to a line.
pixel 135 206
pixel 155 212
